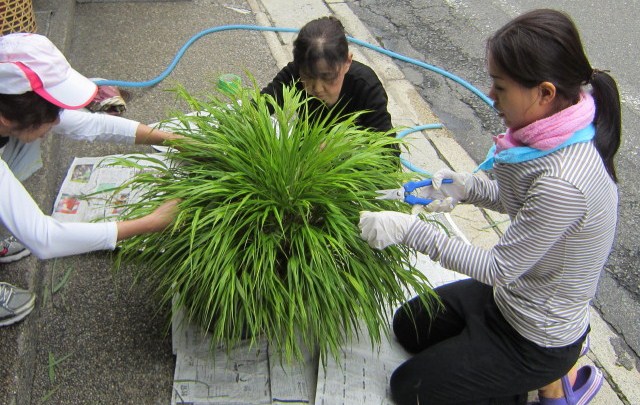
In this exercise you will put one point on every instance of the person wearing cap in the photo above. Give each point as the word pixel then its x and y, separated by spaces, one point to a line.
pixel 32 63
pixel 36 86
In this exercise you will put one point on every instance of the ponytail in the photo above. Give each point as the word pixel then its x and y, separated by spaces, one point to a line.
pixel 608 120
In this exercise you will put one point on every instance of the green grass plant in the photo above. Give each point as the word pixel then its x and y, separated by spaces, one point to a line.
pixel 266 243
pixel 53 363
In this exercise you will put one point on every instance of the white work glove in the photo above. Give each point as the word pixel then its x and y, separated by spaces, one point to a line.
pixel 446 196
pixel 385 228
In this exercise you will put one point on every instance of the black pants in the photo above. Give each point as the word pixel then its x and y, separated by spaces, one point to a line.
pixel 467 353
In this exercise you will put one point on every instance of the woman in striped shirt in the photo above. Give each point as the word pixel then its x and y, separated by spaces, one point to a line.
pixel 519 322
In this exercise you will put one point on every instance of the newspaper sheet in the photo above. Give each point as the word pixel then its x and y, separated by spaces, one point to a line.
pixel 241 377
pixel 260 377
pixel 213 376
pixel 293 382
pixel 88 190
pixel 361 376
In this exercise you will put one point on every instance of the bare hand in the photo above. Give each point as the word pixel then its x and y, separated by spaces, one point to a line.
pixel 164 215
pixel 157 221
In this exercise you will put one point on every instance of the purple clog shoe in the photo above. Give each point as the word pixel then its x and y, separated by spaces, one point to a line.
pixel 587 385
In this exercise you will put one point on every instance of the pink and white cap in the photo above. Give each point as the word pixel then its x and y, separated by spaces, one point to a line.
pixel 31 62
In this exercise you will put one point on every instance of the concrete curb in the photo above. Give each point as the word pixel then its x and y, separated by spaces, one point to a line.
pixel 55 19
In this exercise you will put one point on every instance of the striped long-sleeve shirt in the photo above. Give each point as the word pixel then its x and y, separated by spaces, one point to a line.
pixel 545 268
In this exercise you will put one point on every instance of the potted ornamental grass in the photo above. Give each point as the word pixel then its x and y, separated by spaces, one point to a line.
pixel 266 243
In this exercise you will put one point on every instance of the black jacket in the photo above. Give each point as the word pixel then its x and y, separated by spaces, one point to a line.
pixel 361 91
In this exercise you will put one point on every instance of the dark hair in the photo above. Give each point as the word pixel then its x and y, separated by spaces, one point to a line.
pixel 320 39
pixel 544 46
pixel 28 110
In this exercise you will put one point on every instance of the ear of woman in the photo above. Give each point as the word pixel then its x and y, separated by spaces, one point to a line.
pixel 547 92
pixel 549 99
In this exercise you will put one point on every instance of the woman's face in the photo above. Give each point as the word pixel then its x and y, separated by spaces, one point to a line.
pixel 517 105
pixel 328 83
pixel 26 135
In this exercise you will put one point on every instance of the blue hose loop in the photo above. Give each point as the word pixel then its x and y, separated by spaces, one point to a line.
pixel 184 48
pixel 208 31
pixel 406 132
pixel 387 52
pixel 416 62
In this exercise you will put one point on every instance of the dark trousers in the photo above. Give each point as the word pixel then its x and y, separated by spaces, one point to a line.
pixel 467 353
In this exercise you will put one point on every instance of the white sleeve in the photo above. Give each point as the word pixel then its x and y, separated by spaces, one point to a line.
pixel 83 125
pixel 43 235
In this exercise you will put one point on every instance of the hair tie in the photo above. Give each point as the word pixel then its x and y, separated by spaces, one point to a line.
pixel 595 72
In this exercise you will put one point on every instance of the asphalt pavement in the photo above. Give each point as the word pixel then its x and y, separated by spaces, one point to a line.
pixel 95 337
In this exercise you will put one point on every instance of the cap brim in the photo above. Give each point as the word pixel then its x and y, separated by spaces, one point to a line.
pixel 76 91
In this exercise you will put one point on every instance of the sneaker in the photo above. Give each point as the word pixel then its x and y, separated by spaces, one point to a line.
pixel 15 303
pixel 12 250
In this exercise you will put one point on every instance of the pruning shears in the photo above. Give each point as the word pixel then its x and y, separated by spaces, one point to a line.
pixel 404 193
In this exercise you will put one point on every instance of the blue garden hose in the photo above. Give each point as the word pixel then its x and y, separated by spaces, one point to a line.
pixel 387 52
pixel 208 31
pixel 406 132
pixel 435 69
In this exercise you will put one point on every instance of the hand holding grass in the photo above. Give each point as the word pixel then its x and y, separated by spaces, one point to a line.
pixel 157 221
pixel 386 228
pixel 146 135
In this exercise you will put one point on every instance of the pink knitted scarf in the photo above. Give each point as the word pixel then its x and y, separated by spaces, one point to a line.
pixel 552 131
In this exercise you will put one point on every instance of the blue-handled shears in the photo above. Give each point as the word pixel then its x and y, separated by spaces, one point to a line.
pixel 404 193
